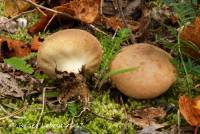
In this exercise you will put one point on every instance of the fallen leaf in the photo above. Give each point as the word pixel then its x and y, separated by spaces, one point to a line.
pixel 114 22
pixel 41 24
pixel 35 44
pixel 190 109
pixel 8 26
pixel 147 117
pixel 150 130
pixel 85 10
pixel 191 33
pixel 14 7
pixel 10 47
pixel 9 86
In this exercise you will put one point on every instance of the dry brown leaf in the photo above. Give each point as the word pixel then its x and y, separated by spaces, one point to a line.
pixel 190 109
pixel 84 10
pixel 114 22
pixel 192 33
pixel 35 44
pixel 9 48
pixel 14 7
pixel 9 86
pixel 42 23
pixel 8 26
pixel 147 117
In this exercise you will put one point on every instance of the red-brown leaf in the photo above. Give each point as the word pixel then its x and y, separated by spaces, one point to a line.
pixel 190 109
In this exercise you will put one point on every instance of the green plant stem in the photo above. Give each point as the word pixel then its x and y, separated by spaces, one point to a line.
pixel 182 61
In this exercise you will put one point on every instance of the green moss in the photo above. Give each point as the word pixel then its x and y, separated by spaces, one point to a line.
pixel 27 122
pixel 104 106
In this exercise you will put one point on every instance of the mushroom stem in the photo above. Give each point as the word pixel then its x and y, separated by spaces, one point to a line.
pixel 73 85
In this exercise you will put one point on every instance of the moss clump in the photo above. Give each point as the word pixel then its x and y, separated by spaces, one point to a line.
pixel 27 122
pixel 105 107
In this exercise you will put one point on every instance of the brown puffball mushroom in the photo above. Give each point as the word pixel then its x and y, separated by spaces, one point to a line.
pixel 63 55
pixel 69 50
pixel 153 76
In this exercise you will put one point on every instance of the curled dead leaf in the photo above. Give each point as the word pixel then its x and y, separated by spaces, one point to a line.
pixel 192 33
pixel 9 86
pixel 84 10
pixel 10 47
pixel 190 109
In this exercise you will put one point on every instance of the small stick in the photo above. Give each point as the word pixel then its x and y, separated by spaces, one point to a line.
pixel 132 37
pixel 41 11
pixel 43 104
pixel 14 113
pixel 196 130
pixel 17 16
pixel 54 15
pixel 101 7
pixel 97 29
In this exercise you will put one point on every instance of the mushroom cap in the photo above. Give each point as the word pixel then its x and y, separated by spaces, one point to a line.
pixel 69 50
pixel 154 75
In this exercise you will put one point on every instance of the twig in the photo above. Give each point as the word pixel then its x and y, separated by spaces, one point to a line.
pixel 97 29
pixel 4 110
pixel 51 10
pixel 54 15
pixel 101 7
pixel 43 104
pixel 121 13
pixel 196 130
pixel 14 113
pixel 17 16
pixel 132 37
pixel 105 118
pixel 41 11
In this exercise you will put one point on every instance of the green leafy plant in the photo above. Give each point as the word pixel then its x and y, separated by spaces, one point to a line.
pixel 184 9
pixel 192 68
pixel 20 63
pixel 111 46
pixel 115 72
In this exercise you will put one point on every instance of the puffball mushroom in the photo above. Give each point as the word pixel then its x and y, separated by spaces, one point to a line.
pixel 69 50
pixel 153 76
pixel 63 56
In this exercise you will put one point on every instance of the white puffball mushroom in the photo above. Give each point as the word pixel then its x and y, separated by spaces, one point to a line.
pixel 69 50
pixel 22 22
pixel 154 74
